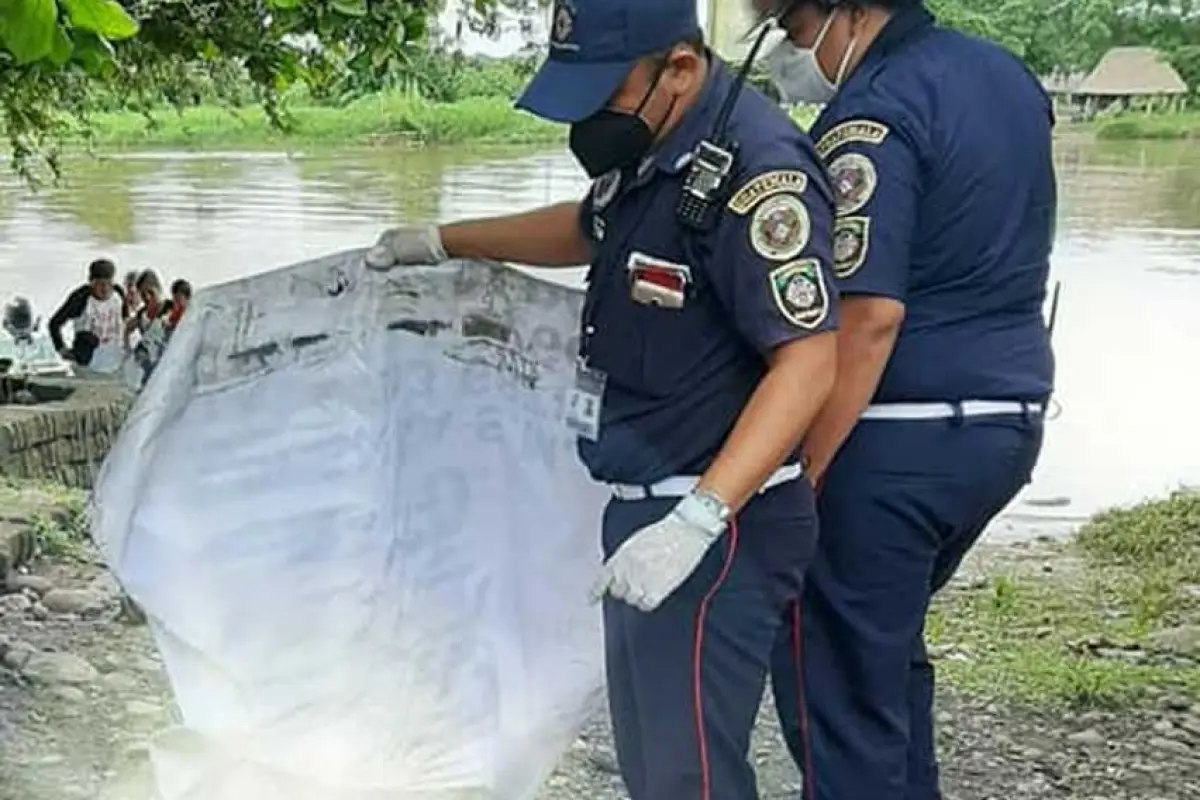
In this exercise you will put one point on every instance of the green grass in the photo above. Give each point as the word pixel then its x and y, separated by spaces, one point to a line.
pixel 1078 637
pixel 56 515
pixel 1155 547
pixel 383 118
pixel 1180 125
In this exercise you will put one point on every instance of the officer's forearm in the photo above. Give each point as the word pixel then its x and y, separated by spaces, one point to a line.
pixel 867 333
pixel 544 237
pixel 770 428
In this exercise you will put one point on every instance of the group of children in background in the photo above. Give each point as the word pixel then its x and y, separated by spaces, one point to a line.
pixel 113 324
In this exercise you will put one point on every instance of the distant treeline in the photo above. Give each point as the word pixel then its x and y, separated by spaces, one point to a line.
pixel 1071 36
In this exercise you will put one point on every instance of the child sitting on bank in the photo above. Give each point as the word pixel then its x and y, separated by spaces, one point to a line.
pixel 181 295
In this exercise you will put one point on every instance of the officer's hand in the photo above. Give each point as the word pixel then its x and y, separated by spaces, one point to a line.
pixel 406 246
pixel 656 560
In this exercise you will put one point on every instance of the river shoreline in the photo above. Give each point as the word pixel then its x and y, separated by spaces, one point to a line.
pixel 408 121
pixel 1010 724
pixel 385 119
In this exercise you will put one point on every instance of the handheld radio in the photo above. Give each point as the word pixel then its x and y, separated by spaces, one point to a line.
pixel 713 159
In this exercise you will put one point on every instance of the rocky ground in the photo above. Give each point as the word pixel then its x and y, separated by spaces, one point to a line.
pixel 81 688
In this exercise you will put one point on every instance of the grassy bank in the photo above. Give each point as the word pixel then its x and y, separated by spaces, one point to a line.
pixel 1108 620
pixel 406 118
pixel 1183 125
pixel 394 117
pixel 377 119
pixel 57 522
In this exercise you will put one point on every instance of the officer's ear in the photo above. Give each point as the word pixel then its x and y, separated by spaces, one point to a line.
pixel 858 14
pixel 684 69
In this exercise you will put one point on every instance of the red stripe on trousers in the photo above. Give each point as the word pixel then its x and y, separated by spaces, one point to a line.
pixel 801 705
pixel 697 651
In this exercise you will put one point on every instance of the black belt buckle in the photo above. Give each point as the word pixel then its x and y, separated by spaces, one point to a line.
pixel 959 418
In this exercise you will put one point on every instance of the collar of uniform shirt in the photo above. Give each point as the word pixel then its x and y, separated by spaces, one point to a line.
pixel 698 120
pixel 903 25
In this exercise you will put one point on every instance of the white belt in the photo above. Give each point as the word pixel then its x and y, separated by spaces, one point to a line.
pixel 963 408
pixel 681 485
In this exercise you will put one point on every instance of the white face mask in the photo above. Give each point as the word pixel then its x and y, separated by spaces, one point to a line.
pixel 797 74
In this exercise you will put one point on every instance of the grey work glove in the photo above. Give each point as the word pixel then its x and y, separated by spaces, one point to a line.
pixel 408 245
pixel 656 560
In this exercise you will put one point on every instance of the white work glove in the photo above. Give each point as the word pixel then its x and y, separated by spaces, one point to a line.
pixel 656 560
pixel 407 245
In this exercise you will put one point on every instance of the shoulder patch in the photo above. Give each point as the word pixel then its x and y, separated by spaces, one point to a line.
pixel 605 188
pixel 766 185
pixel 854 180
pixel 780 227
pixel 800 294
pixel 851 240
pixel 855 130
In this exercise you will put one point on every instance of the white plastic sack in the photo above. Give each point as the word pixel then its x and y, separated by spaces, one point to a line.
pixel 349 507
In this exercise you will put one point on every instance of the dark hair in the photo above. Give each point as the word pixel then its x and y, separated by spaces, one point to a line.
pixel 181 287
pixel 101 270
pixel 146 277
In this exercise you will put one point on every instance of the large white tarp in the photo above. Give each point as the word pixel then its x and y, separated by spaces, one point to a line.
pixel 348 505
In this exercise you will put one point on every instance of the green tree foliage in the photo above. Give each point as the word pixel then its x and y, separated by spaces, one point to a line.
pixel 1050 35
pixel 60 59
pixel 1173 26
pixel 1068 36
pixel 57 55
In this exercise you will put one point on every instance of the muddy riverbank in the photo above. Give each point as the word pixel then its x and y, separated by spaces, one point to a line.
pixel 1094 713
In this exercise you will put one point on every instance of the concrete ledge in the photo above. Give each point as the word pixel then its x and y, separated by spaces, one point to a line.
pixel 66 439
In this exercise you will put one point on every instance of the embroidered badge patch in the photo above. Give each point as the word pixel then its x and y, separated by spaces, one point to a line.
pixel 563 26
pixel 855 130
pixel 799 292
pixel 766 185
pixel 851 239
pixel 854 180
pixel 605 189
pixel 780 227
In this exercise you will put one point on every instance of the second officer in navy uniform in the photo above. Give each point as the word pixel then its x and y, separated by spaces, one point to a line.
pixel 938 147
pixel 707 346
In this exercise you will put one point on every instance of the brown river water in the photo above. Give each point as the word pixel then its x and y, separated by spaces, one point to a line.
pixel 1127 255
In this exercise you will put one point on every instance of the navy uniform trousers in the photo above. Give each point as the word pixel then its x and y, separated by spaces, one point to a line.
pixel 686 680
pixel 900 507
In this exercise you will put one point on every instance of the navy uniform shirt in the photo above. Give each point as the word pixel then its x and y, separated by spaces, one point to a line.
pixel 938 150
pixel 677 379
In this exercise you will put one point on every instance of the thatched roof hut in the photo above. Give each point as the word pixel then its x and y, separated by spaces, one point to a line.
pixel 1133 72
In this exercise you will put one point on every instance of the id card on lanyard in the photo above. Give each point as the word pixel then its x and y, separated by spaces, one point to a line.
pixel 584 401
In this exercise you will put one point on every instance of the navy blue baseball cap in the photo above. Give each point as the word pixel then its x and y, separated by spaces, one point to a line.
pixel 594 44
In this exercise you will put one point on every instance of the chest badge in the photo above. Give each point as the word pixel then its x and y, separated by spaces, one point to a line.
pixel 655 282
pixel 780 227
pixel 854 180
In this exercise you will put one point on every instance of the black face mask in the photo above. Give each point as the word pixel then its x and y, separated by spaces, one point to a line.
pixel 610 139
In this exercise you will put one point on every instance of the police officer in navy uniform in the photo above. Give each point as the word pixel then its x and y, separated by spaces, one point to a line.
pixel 938 149
pixel 707 346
